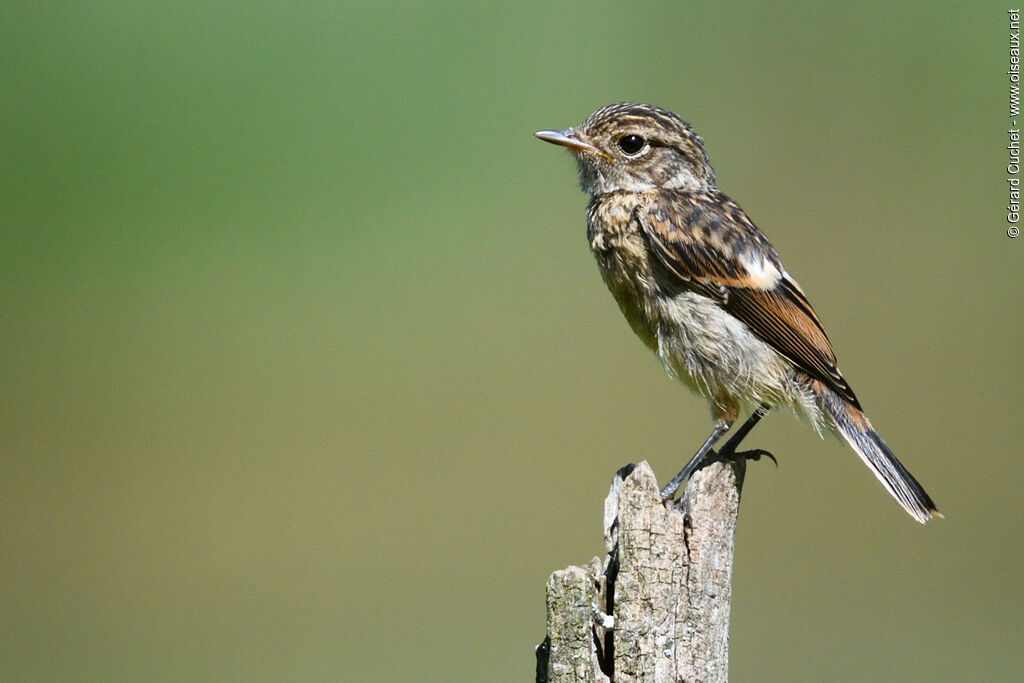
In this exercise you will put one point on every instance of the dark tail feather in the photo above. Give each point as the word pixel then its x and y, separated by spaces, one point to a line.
pixel 865 441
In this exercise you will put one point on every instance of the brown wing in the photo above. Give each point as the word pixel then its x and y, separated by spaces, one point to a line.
pixel 708 245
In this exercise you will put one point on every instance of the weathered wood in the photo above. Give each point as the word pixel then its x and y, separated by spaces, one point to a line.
pixel 572 594
pixel 657 608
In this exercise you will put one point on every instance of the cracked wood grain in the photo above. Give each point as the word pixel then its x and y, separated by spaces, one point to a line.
pixel 669 598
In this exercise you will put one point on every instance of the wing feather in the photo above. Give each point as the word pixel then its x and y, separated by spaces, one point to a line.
pixel 707 244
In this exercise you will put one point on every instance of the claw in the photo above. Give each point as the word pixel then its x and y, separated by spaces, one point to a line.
pixel 752 454
pixel 756 454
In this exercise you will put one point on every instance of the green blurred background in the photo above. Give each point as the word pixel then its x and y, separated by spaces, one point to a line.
pixel 308 374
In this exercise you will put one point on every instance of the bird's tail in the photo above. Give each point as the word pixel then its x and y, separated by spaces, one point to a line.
pixel 865 441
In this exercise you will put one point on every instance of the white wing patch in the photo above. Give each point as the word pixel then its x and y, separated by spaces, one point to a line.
pixel 762 273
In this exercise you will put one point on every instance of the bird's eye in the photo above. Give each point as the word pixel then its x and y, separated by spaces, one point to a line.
pixel 631 144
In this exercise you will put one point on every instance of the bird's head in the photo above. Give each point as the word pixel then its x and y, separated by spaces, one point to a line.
pixel 635 147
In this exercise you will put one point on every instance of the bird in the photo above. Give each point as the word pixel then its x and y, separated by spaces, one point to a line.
pixel 705 290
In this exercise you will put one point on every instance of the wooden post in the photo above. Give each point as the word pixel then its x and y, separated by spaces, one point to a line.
pixel 657 607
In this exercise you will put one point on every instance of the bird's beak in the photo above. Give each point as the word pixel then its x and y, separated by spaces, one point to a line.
pixel 568 138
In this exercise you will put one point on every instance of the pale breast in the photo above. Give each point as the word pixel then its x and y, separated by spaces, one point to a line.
pixel 623 257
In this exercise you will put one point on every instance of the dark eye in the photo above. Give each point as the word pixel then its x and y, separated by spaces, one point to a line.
pixel 631 144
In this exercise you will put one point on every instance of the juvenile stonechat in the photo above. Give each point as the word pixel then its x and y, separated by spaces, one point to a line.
pixel 704 289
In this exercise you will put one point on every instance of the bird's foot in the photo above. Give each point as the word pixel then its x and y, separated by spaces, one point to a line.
pixel 729 455
pixel 726 454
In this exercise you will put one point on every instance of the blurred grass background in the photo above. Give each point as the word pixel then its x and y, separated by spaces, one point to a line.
pixel 308 373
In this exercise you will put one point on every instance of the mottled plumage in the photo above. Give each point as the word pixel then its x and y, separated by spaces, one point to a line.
pixel 706 291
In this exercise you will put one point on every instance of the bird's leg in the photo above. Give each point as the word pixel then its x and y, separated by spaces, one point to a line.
pixel 727 452
pixel 702 452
